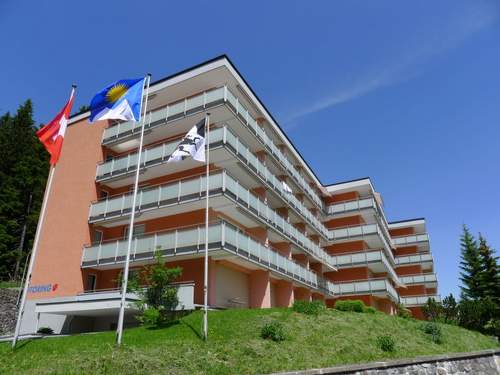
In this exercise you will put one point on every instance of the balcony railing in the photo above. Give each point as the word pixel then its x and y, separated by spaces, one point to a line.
pixel 407 240
pixel 221 236
pixel 362 230
pixel 364 258
pixel 160 154
pixel 358 204
pixel 366 287
pixel 419 279
pixel 191 189
pixel 418 300
pixel 409 259
pixel 207 99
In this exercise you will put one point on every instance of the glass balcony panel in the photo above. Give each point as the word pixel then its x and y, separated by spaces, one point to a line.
pixel 122 248
pixel 160 114
pixel 103 169
pixel 194 102
pixel 148 197
pixel 187 238
pixel 108 249
pixel 192 186
pixel 230 235
pixel 214 95
pixel 216 135
pixel 231 99
pixel 90 254
pixel 145 244
pixel 97 208
pixel 115 204
pixel 214 233
pixel 154 153
pixel 378 285
pixel 165 240
pixel 372 256
pixel 176 109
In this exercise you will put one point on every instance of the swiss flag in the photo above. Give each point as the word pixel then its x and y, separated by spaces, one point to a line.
pixel 52 134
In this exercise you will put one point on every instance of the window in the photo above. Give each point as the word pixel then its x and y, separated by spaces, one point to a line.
pixel 97 236
pixel 91 282
pixel 139 230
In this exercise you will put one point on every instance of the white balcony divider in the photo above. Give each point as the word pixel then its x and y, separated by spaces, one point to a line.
pixel 194 188
pixel 181 241
pixel 366 287
pixel 405 240
pixel 420 258
pixel 418 300
pixel 419 279
pixel 161 153
pixel 205 100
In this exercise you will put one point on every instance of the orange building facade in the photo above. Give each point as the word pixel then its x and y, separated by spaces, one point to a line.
pixel 267 246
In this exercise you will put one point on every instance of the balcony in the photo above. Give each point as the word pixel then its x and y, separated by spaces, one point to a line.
pixel 160 201
pixel 367 258
pixel 222 237
pixel 374 287
pixel 418 300
pixel 154 159
pixel 410 240
pixel 414 259
pixel 429 279
pixel 355 205
pixel 199 103
pixel 352 232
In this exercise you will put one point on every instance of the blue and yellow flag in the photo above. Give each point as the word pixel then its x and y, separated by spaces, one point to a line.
pixel 118 101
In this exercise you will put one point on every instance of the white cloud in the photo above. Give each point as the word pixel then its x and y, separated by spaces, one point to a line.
pixel 408 64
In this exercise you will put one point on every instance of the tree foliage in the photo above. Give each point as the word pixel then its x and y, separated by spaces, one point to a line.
pixel 489 277
pixel 470 266
pixel 23 173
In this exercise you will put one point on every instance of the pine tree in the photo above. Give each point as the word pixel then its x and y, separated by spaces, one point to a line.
pixel 470 266
pixel 489 277
pixel 23 172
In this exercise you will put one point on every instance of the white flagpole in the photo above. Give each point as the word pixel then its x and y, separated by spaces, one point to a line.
pixel 34 250
pixel 33 256
pixel 205 286
pixel 121 315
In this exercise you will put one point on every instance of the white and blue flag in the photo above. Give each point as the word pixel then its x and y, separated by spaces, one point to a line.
pixel 119 101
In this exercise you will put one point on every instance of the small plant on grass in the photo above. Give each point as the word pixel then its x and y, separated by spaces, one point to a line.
pixel 350 305
pixel 370 310
pixel 403 312
pixel 309 308
pixel 434 331
pixel 45 331
pixel 386 343
pixel 273 331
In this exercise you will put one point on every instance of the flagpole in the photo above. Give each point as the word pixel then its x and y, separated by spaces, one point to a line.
pixel 205 286
pixel 121 315
pixel 22 303
pixel 33 255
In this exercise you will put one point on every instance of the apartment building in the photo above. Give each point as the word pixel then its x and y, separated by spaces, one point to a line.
pixel 276 234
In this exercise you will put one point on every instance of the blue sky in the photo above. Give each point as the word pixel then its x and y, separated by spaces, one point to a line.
pixel 407 93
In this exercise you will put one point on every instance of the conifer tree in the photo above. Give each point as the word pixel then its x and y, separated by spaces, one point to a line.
pixel 470 266
pixel 489 277
pixel 23 172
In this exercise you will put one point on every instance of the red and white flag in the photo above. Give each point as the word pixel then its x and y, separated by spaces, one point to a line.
pixel 52 134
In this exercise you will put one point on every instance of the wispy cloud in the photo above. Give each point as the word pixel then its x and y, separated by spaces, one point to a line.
pixel 409 62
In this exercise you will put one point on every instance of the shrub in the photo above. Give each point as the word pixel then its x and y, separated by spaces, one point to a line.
pixel 403 312
pixel 432 310
pixel 493 327
pixel 386 343
pixel 309 308
pixel 45 331
pixel 350 305
pixel 150 317
pixel 434 331
pixel 475 315
pixel 370 310
pixel 273 331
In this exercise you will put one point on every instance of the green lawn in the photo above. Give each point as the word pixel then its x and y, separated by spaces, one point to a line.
pixel 9 284
pixel 234 345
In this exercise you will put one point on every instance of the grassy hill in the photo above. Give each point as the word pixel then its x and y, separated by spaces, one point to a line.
pixel 235 346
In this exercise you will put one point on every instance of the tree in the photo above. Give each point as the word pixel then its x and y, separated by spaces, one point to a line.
pixel 159 299
pixel 489 277
pixel 450 309
pixel 23 172
pixel 432 309
pixel 470 266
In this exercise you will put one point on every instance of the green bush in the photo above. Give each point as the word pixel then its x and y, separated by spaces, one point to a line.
pixel 150 317
pixel 477 314
pixel 434 331
pixel 370 310
pixel 45 331
pixel 273 331
pixel 403 312
pixel 386 343
pixel 350 305
pixel 309 308
pixel 493 327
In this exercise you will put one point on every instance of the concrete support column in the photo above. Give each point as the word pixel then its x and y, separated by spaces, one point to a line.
pixel 260 289
pixel 212 274
pixel 302 294
pixel 284 294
